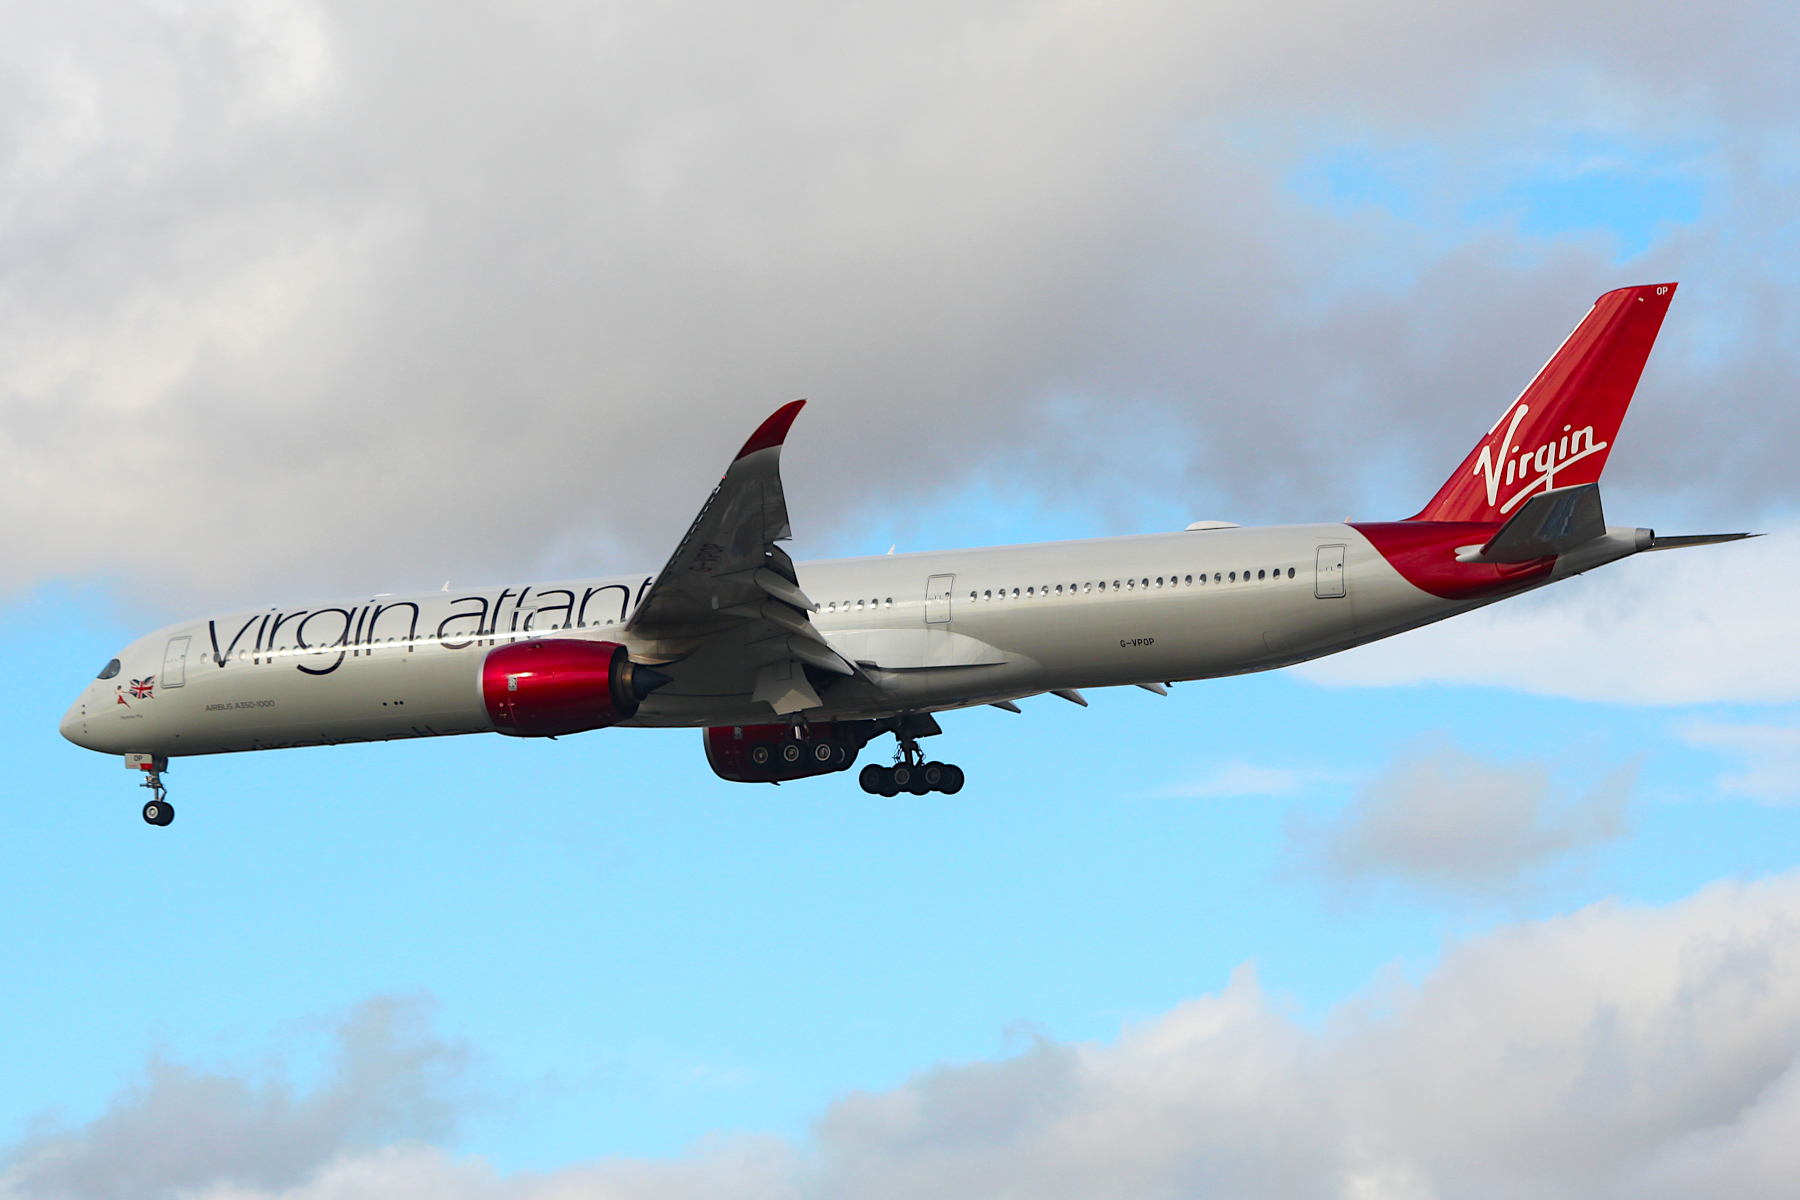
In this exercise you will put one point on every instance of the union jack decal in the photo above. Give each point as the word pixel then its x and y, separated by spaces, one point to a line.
pixel 141 689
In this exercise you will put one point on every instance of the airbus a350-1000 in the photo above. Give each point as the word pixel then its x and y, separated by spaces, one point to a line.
pixel 790 669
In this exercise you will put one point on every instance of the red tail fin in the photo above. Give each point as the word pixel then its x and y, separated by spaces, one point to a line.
pixel 1560 430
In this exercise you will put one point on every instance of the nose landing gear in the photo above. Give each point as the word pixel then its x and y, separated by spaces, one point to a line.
pixel 158 810
pixel 911 773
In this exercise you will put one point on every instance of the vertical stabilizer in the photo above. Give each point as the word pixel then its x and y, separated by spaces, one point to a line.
pixel 1561 428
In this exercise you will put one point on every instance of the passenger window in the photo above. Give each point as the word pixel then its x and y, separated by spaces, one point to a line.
pixel 1086 588
pixel 1259 574
pixel 1190 582
pixel 859 605
pixel 1115 585
pixel 1290 572
pixel 1159 581
pixel 890 602
pixel 1131 585
pixel 1146 583
pixel 1234 577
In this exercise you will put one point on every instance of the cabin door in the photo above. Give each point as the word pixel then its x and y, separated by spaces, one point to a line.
pixel 1329 582
pixel 937 599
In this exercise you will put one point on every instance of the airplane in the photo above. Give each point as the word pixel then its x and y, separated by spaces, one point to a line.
pixel 791 669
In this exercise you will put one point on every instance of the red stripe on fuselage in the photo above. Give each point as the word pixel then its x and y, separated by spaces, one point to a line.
pixel 1424 552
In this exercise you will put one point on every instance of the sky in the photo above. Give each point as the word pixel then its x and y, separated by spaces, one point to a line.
pixel 305 298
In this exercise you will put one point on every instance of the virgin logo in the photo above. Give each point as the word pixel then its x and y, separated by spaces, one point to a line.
pixel 1512 465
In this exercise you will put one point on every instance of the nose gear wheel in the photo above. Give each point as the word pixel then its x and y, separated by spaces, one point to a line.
pixel 157 810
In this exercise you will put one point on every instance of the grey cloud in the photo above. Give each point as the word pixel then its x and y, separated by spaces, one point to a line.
pixel 1447 821
pixel 182 1129
pixel 1620 1050
pixel 328 295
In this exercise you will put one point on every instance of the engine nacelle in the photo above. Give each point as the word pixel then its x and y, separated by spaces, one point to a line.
pixel 771 753
pixel 551 686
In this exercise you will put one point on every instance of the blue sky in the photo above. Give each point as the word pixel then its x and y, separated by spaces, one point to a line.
pixel 640 954
pixel 315 326
pixel 1557 184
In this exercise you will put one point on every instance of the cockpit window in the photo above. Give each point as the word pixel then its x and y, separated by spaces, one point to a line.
pixel 110 669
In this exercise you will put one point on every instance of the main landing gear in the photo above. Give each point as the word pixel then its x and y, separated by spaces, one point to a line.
pixel 911 773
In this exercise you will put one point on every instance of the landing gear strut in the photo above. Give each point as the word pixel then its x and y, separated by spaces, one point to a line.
pixel 911 773
pixel 157 810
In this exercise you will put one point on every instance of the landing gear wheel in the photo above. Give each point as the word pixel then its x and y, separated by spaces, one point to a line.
pixel 158 812
pixel 953 780
pixel 792 753
pixel 901 778
pixel 888 785
pixel 871 779
pixel 824 752
pixel 841 757
pixel 930 779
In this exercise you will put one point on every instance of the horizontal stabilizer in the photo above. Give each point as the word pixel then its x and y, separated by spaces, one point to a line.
pixel 1683 541
pixel 1554 522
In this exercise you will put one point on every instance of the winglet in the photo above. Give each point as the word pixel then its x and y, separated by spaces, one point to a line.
pixel 773 431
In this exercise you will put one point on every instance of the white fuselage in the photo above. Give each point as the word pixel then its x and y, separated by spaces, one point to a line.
pixel 929 631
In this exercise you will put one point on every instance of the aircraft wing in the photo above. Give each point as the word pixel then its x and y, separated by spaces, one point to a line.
pixel 729 591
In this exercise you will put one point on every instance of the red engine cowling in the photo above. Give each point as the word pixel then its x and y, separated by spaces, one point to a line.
pixel 770 753
pixel 551 686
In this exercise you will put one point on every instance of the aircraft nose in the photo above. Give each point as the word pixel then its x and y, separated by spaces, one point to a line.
pixel 74 724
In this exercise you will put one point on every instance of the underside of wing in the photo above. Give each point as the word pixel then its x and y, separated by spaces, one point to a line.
pixel 728 598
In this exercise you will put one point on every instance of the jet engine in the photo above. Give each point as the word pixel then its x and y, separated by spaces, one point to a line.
pixel 551 686
pixel 772 753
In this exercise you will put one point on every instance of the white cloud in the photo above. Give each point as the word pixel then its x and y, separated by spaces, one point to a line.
pixel 1674 627
pixel 1772 754
pixel 1447 821
pixel 312 294
pixel 1621 1050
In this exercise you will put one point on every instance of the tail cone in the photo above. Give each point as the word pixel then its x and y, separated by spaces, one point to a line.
pixel 645 680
